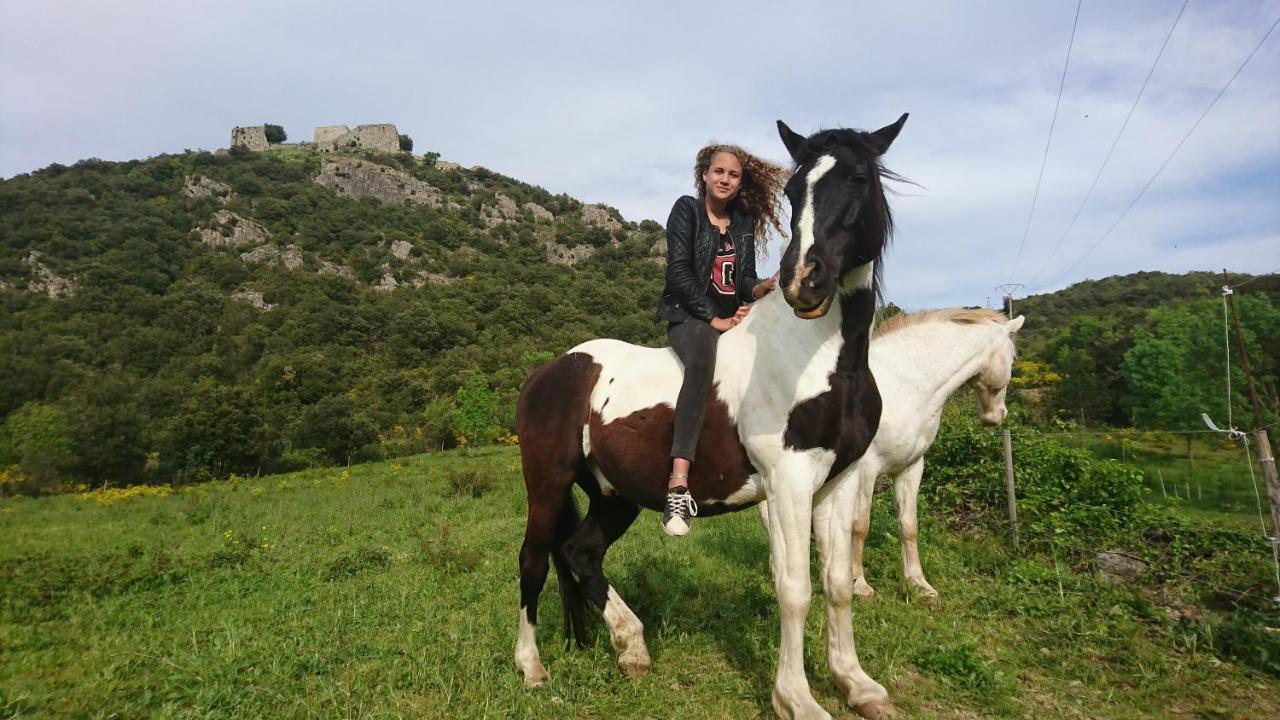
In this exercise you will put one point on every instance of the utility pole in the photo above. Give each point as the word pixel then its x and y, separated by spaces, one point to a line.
pixel 1006 291
pixel 1261 444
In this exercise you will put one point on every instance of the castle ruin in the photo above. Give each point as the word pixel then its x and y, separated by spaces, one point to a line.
pixel 382 137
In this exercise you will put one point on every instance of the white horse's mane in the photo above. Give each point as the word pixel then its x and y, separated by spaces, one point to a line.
pixel 964 316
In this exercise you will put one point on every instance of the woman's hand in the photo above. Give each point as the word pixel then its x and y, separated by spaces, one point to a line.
pixel 764 287
pixel 720 324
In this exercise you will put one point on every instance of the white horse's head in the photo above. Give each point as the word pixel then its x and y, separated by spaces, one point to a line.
pixel 992 380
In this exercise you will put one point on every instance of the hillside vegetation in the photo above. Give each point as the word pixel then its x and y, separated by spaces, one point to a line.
pixel 202 314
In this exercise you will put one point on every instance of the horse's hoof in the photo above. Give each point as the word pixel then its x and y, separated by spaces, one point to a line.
pixel 536 677
pixel 933 602
pixel 876 709
pixel 634 670
pixel 866 592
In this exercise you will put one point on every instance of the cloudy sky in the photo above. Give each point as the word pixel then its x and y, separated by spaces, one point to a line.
pixel 609 102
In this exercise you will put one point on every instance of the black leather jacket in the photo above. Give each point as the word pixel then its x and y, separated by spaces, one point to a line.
pixel 691 248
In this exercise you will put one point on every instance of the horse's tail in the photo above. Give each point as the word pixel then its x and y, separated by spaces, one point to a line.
pixel 572 596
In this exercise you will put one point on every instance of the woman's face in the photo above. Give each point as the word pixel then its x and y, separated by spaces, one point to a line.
pixel 723 177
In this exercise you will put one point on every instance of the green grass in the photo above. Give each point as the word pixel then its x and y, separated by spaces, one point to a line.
pixel 393 593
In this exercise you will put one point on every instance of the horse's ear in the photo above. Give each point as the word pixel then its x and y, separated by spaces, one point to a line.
pixel 1015 324
pixel 793 140
pixel 883 138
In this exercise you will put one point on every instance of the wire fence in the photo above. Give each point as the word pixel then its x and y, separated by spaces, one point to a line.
pixel 1211 479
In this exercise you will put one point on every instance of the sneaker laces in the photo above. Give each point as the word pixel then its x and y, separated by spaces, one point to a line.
pixel 682 503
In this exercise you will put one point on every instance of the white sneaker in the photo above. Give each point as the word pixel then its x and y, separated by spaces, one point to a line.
pixel 680 508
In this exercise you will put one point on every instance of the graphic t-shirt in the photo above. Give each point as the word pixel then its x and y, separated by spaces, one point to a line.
pixel 722 292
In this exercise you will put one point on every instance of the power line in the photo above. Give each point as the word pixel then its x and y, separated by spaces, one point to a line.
pixel 1114 142
pixel 1172 154
pixel 1052 122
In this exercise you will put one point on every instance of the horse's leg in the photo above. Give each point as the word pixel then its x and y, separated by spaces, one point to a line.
pixel 833 519
pixel 790 487
pixel 865 482
pixel 905 490
pixel 606 521
pixel 551 521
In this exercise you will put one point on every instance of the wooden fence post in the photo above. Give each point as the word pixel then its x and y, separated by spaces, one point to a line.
pixel 1008 485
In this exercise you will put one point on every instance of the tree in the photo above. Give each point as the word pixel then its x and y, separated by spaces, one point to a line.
pixel 1088 353
pixel 35 438
pixel 332 426
pixel 475 409
pixel 275 133
pixel 406 143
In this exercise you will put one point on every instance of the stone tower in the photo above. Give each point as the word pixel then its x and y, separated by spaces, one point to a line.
pixel 250 138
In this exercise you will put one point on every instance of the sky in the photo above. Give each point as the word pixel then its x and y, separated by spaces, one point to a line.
pixel 609 102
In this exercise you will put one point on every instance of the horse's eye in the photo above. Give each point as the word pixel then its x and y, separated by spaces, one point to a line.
pixel 860 179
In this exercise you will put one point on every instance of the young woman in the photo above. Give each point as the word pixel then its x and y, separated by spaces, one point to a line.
pixel 711 274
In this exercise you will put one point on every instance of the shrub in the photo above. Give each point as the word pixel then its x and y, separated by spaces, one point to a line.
pixel 471 482
pixel 406 143
pixel 275 133
pixel 1067 499
pixel 1249 637
pixel 35 439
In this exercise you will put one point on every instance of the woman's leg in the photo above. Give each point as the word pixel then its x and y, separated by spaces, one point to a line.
pixel 694 342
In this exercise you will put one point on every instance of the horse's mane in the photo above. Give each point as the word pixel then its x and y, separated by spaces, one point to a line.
pixel 964 316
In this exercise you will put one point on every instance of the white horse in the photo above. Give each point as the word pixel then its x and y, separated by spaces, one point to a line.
pixel 919 360
pixel 793 406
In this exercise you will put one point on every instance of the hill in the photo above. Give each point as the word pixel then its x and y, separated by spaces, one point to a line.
pixel 1126 299
pixel 210 313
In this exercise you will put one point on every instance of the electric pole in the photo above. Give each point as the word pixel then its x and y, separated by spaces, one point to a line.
pixel 1261 443
pixel 1006 291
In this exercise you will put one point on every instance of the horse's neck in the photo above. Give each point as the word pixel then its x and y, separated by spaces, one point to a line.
pixel 930 362
pixel 774 352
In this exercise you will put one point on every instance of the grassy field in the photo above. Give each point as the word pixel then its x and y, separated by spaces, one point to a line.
pixel 391 591
pixel 1209 481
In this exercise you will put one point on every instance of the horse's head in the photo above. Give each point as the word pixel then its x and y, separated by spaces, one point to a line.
pixel 992 379
pixel 840 220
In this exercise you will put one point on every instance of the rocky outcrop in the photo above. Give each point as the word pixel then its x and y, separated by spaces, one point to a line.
pixel 1118 567
pixel 355 178
pixel 401 249
pixel 429 278
pixel 200 186
pixel 446 165
pixel 502 210
pixel 290 256
pixel 231 230
pixel 599 216
pixel 388 281
pixel 45 281
pixel 328 268
pixel 252 297
pixel 538 212
pixel 564 255
pixel 658 253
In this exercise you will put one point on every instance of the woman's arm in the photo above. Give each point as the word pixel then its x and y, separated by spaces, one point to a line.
pixel 689 291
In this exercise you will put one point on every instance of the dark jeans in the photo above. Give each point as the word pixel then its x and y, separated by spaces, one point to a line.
pixel 695 344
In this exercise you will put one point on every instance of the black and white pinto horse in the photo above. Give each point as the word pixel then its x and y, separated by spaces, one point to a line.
pixel 793 406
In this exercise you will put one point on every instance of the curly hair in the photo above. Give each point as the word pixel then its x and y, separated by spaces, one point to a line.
pixel 760 192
